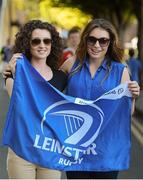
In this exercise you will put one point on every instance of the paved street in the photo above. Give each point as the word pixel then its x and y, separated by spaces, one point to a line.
pixel 136 169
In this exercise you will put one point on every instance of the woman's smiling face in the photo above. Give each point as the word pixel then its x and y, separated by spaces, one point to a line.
pixel 40 44
pixel 97 43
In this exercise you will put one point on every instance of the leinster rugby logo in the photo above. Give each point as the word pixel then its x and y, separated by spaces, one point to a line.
pixel 72 123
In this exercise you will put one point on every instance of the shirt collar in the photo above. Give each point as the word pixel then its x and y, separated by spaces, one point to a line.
pixel 103 65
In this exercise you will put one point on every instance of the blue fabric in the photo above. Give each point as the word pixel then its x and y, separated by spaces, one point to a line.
pixel 61 132
pixel 82 85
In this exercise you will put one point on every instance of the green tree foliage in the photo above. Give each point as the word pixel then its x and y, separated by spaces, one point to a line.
pixel 119 12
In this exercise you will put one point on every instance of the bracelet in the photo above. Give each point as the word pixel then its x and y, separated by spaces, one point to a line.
pixel 8 76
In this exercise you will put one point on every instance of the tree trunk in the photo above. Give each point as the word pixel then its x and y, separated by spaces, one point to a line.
pixel 121 32
pixel 140 32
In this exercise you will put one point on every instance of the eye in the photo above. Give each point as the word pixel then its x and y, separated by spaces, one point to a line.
pixel 35 42
pixel 103 42
pixel 47 41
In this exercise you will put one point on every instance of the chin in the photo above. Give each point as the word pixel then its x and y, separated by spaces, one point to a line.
pixel 95 56
pixel 44 56
pixel 40 58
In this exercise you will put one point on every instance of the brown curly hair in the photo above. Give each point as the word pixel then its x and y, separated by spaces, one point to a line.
pixel 23 37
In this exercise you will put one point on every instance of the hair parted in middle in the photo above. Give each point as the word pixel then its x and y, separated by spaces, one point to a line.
pixel 114 53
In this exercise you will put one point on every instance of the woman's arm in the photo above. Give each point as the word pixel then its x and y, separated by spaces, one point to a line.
pixel 132 85
pixel 68 64
pixel 9 85
pixel 9 72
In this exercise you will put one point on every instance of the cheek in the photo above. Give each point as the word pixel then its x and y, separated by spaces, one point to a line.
pixel 32 51
pixel 48 50
pixel 49 47
pixel 88 48
pixel 88 51
pixel 105 50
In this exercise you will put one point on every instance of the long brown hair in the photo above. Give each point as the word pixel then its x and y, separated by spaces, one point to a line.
pixel 114 53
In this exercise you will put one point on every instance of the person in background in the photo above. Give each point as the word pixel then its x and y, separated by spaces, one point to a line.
pixel 135 66
pixel 72 43
pixel 95 69
pixel 6 54
pixel 40 43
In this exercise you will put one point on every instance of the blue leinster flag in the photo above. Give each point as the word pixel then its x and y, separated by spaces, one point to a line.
pixel 56 131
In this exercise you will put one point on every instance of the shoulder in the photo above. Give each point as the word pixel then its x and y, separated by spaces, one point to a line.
pixel 125 72
pixel 68 64
pixel 121 68
pixel 119 65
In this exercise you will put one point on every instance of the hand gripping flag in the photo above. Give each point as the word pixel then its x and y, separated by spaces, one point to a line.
pixel 56 131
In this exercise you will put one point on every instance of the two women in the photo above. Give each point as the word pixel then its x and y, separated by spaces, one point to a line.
pixel 95 69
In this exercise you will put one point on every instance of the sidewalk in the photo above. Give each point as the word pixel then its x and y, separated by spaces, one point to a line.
pixel 139 103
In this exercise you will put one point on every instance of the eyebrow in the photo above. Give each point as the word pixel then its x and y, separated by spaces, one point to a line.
pixel 41 37
pixel 99 37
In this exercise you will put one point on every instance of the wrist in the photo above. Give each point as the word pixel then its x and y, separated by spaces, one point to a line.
pixel 10 76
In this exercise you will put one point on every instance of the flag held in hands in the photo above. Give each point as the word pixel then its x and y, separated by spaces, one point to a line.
pixel 48 128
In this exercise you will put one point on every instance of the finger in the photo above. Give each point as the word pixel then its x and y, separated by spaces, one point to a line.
pixel 6 72
pixel 15 58
pixel 135 96
pixel 7 68
pixel 134 89
pixel 130 82
pixel 133 86
pixel 135 92
pixel 4 76
pixel 18 54
pixel 12 63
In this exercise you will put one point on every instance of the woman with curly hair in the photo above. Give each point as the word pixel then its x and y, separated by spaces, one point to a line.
pixel 40 43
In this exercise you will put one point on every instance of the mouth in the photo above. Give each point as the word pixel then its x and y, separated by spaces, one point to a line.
pixel 41 51
pixel 95 51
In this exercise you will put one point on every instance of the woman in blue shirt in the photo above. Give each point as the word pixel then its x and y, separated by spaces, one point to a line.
pixel 96 69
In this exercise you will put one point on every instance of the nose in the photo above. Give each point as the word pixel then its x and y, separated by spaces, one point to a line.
pixel 97 44
pixel 42 44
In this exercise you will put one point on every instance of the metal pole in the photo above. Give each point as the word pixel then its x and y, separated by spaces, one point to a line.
pixel 2 14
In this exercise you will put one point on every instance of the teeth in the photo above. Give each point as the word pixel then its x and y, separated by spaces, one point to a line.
pixel 95 52
pixel 41 51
